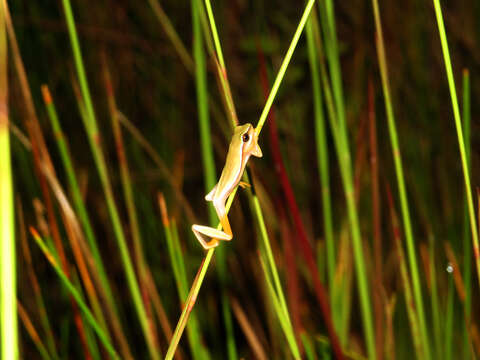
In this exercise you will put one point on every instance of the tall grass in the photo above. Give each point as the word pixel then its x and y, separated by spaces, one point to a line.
pixel 310 216
pixel 202 270
pixel 382 61
pixel 342 148
pixel 460 136
pixel 94 137
pixel 8 271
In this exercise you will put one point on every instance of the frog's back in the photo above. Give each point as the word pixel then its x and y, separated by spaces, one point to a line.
pixel 233 168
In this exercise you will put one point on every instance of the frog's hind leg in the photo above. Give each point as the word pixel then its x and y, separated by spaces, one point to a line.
pixel 204 233
pixel 222 215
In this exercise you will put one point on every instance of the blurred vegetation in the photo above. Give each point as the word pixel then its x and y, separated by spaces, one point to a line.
pixel 109 176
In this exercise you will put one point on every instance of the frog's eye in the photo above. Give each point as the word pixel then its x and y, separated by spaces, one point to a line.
pixel 245 137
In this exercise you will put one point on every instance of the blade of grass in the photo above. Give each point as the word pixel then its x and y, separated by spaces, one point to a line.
pixel 322 152
pixel 344 158
pixel 94 137
pixel 159 163
pixel 221 69
pixel 172 34
pixel 467 249
pixel 129 198
pixel 279 310
pixel 180 275
pixel 333 57
pixel 284 66
pixel 8 303
pixel 449 314
pixel 284 317
pixel 35 284
pixel 411 311
pixel 76 295
pixel 75 188
pixel 40 153
pixel 206 262
pixel 458 126
pixel 81 210
pixel 89 332
pixel 27 323
pixel 434 299
pixel 248 330
pixel 377 222
pixel 400 181
pixel 304 245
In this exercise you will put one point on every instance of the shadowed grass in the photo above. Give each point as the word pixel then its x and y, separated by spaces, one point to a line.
pixel 467 249
pixel 458 127
pixel 76 295
pixel 94 139
pixel 400 181
pixel 344 159
pixel 203 267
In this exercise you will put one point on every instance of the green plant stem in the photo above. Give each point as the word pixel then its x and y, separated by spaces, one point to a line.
pixel 467 249
pixel 436 315
pixel 172 34
pixel 221 70
pixel 94 137
pixel 76 295
pixel 284 66
pixel 216 40
pixel 343 154
pixel 449 318
pixel 8 298
pixel 203 268
pixel 458 126
pixel 400 180
pixel 76 194
pixel 322 153
pixel 275 287
pixel 333 58
pixel 207 149
pixel 202 104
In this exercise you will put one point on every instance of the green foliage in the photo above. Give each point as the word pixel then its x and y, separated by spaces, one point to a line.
pixel 114 276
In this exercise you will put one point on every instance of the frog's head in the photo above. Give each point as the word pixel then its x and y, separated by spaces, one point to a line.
pixel 249 140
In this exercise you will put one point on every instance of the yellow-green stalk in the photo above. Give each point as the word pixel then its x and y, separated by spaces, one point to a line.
pixel 8 304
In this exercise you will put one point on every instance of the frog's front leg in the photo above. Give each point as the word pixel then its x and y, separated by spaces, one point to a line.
pixel 203 233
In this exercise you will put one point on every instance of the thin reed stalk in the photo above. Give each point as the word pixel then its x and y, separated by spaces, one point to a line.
pixel 180 275
pixel 322 151
pixel 75 294
pixel 448 340
pixel 94 139
pixel 8 272
pixel 304 244
pixel 40 303
pixel 207 150
pixel 27 323
pixel 221 69
pixel 344 158
pixel 400 181
pixel 76 193
pixel 467 249
pixel 407 286
pixel 40 154
pixel 458 127
pixel 377 223
pixel 204 266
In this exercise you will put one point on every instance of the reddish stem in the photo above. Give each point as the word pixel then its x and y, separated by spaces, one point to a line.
pixel 307 250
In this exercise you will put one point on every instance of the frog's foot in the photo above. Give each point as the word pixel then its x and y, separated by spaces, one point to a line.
pixel 204 233
pixel 244 185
